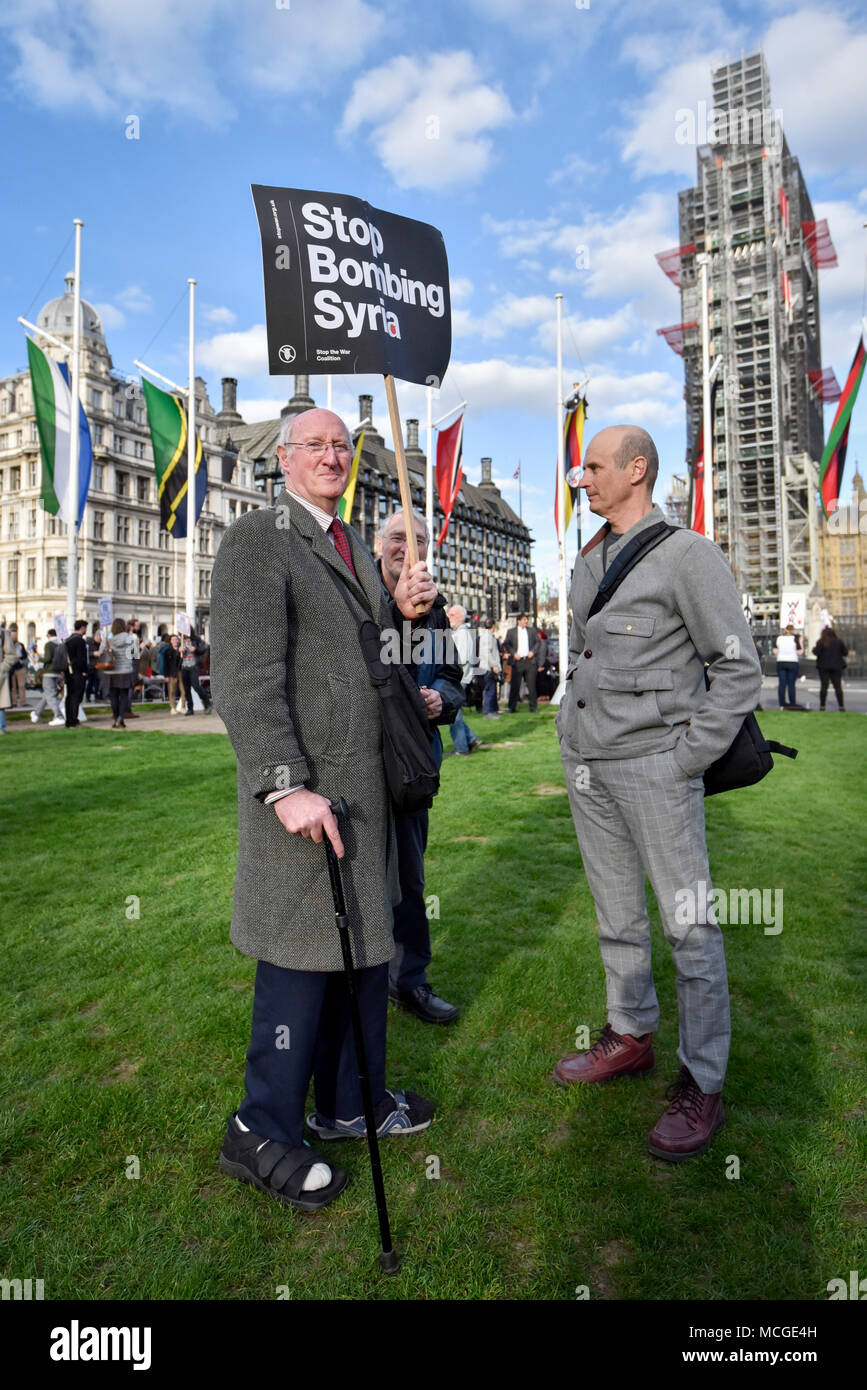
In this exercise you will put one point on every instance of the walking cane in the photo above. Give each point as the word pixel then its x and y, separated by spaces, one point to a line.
pixel 389 1263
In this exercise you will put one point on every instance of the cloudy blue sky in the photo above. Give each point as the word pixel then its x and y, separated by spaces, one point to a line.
pixel 553 129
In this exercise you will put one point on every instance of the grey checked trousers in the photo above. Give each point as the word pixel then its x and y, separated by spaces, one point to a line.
pixel 641 815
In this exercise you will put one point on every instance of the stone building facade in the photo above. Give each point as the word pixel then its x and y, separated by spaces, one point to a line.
pixel 123 553
pixel 484 562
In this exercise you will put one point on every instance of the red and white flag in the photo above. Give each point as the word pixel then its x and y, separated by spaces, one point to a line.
pixel 449 471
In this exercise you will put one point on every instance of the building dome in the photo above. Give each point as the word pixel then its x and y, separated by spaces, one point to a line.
pixel 56 316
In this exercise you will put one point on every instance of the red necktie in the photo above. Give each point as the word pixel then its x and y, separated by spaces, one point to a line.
pixel 341 544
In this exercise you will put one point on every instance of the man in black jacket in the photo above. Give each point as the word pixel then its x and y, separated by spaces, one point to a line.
pixel 76 651
pixel 522 645
pixel 434 666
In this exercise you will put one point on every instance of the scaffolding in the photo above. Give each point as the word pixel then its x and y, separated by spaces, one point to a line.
pixel 751 214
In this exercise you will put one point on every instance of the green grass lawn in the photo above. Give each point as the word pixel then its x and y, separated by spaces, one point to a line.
pixel 125 1035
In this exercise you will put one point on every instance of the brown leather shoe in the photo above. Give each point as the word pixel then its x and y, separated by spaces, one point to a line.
pixel 690 1122
pixel 611 1055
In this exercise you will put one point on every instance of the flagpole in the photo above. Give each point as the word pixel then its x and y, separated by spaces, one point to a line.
pixel 707 440
pixel 520 495
pixel 428 475
pixel 563 618
pixel 190 595
pixel 74 411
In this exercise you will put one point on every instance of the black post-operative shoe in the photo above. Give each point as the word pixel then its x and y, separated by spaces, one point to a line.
pixel 277 1169
pixel 426 1005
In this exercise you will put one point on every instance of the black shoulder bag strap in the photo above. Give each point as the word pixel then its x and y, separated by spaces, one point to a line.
pixel 628 558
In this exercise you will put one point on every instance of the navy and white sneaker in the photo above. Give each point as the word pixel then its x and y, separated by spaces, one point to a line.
pixel 400 1112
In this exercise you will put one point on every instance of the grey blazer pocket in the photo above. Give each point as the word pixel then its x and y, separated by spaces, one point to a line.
pixel 630 701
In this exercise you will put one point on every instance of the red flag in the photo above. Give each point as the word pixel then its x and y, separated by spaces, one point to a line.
pixel 696 508
pixel 834 456
pixel 449 471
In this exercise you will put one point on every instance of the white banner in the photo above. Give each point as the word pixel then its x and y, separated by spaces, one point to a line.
pixel 60 626
pixel 106 612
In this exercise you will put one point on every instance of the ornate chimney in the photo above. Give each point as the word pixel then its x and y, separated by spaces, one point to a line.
pixel 414 455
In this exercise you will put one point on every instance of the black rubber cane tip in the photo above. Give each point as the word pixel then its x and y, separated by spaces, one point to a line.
pixel 389 1263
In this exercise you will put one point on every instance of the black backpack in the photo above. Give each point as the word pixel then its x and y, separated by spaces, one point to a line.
pixel 59 659
pixel 748 759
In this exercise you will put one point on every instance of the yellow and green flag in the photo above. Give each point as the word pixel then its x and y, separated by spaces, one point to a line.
pixel 344 506
pixel 167 419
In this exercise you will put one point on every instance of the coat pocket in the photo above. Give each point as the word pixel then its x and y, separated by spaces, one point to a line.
pixel 630 703
pixel 340 734
pixel 628 625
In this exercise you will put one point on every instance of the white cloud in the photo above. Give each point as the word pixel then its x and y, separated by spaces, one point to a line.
pixel 817 59
pixel 651 144
pixel 240 354
pixel 103 58
pixel 430 119
pixel 112 318
pixel 218 314
pixel 608 255
pixel 108 59
pixel 135 299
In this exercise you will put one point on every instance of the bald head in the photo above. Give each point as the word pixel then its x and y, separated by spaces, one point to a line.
pixel 310 424
pixel 315 453
pixel 620 468
pixel 628 443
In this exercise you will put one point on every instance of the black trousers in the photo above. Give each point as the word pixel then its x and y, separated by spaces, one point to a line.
pixel 835 677
pixel 74 694
pixel 190 677
pixel 412 953
pixel 301 1028
pixel 523 670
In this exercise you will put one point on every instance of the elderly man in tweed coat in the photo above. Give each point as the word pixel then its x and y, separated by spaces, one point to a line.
pixel 290 585
pixel 638 728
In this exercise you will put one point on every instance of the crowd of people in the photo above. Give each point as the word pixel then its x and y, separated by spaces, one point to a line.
pixel 100 667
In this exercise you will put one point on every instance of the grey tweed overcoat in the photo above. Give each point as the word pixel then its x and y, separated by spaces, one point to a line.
pixel 290 683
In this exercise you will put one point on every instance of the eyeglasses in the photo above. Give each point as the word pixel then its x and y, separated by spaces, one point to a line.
pixel 315 447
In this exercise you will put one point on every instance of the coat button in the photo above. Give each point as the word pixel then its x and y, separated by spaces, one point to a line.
pixel 628 627
pixel 580 704
pixel 638 692
pixel 588 654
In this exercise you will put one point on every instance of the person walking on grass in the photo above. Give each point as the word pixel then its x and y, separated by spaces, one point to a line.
pixel 489 665
pixel 123 646
pixel 522 644
pixel 658 683
pixel 54 663
pixel 830 652
pixel 172 671
pixel 8 658
pixel 463 737
pixel 191 655
pixel 787 650
pixel 76 678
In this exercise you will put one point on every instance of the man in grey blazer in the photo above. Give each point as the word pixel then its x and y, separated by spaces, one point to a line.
pixel 637 729
pixel 290 585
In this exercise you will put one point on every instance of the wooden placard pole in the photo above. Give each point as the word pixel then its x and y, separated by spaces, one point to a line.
pixel 402 473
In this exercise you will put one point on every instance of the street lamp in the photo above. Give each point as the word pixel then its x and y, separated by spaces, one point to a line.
pixel 17 555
